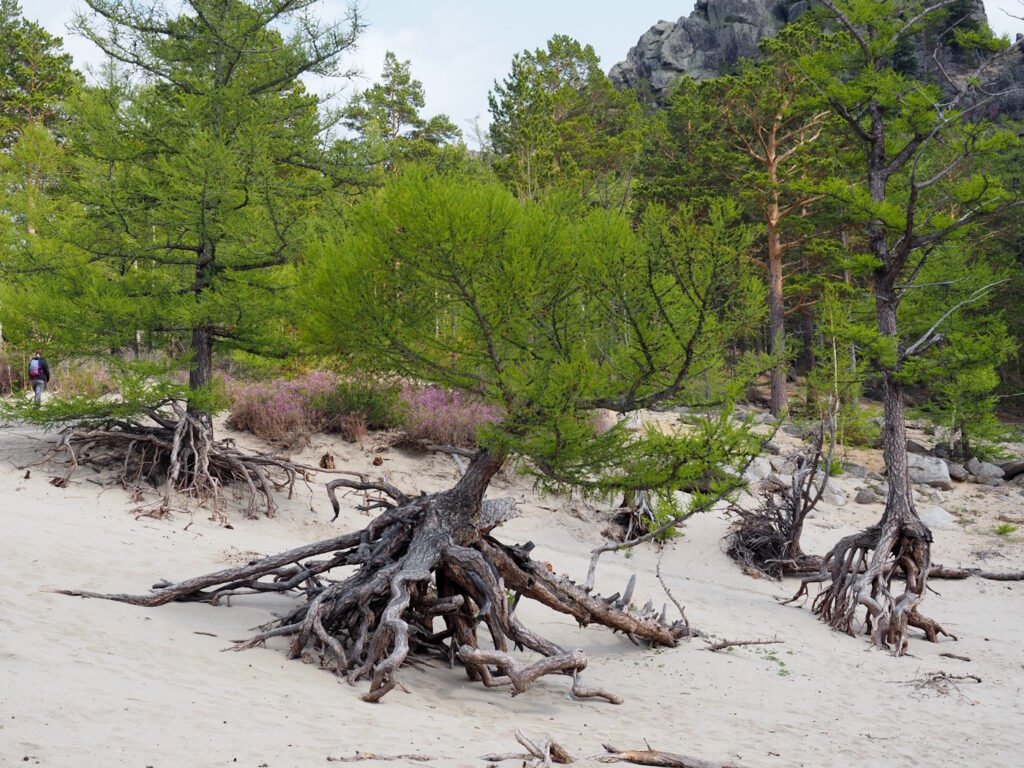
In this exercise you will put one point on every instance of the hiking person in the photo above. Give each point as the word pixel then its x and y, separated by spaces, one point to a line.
pixel 38 374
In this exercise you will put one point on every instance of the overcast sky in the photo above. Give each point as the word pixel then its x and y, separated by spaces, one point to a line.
pixel 458 48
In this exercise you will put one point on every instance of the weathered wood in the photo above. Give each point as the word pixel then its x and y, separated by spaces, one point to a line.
pixel 721 646
pixel 956 574
pixel 423 557
pixel 657 758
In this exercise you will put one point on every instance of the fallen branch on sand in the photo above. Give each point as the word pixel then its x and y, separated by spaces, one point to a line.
pixel 656 758
pixel 955 574
pixel 542 754
pixel 737 643
pixel 943 683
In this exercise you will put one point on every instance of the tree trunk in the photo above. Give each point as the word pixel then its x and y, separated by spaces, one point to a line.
pixel 860 569
pixel 776 321
pixel 201 371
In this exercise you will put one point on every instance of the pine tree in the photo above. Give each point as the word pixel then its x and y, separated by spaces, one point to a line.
pixel 556 120
pixel 389 113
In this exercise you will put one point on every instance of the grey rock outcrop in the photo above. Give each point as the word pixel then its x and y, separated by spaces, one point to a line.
pixel 718 33
pixel 864 496
pixel 758 470
pixel 984 471
pixel 929 470
pixel 705 44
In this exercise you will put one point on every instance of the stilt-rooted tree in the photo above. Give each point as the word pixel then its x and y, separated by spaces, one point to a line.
pixel 549 314
pixel 924 188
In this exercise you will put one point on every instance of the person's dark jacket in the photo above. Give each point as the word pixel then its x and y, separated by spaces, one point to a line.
pixel 44 370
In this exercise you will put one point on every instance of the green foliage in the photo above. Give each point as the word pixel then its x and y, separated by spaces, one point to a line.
pixel 387 116
pixel 144 387
pixel 556 120
pixel 840 370
pixel 546 314
pixel 198 169
pixel 36 77
pixel 1005 529
pixel 376 403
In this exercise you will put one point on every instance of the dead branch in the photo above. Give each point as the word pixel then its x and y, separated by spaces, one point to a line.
pixel 361 756
pixel 955 656
pixel 956 574
pixel 656 758
pixel 721 646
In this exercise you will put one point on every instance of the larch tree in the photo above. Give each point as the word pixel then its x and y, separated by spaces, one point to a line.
pixel 36 82
pixel 36 75
pixel 198 172
pixel 923 185
pixel 548 313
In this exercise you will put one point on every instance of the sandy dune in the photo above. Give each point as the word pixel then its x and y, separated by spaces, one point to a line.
pixel 93 683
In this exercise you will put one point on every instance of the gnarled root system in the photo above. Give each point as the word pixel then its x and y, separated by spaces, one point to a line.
pixel 180 455
pixel 368 600
pixel 862 569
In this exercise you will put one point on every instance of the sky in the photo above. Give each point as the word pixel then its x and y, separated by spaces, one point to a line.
pixel 459 48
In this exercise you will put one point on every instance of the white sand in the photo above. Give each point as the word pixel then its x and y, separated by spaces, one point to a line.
pixel 94 683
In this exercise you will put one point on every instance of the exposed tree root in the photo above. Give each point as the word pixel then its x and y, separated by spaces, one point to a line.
pixel 767 539
pixel 179 455
pixel 422 558
pixel 860 571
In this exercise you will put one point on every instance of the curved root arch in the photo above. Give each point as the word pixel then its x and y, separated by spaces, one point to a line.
pixel 864 570
pixel 415 562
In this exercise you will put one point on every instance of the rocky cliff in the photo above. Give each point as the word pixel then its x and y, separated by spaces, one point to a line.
pixel 718 33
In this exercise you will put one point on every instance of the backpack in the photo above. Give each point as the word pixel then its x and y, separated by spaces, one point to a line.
pixel 35 368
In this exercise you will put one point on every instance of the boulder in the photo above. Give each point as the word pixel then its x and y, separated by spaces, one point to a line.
pixel 915 447
pixel 771 448
pixel 957 471
pixel 929 470
pixel 988 471
pixel 865 496
pixel 1013 469
pixel 833 497
pixel 782 465
pixel 937 518
pixel 758 470
pixel 855 471
pixel 973 465
pixel 779 481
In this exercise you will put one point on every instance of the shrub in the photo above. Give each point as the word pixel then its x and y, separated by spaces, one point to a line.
pixel 82 378
pixel 288 411
pixel 273 410
pixel 353 406
pixel 445 417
